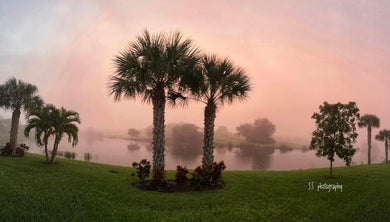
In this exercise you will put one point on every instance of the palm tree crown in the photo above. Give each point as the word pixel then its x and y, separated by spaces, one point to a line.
pixel 369 120
pixel 16 94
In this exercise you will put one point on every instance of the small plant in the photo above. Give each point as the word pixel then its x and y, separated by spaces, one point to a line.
pixel 211 175
pixel 143 169
pixel 181 175
pixel 20 150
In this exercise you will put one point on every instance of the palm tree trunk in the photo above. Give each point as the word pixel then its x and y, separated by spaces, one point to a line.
pixel 55 147
pixel 14 129
pixel 387 150
pixel 46 152
pixel 158 101
pixel 369 143
pixel 208 137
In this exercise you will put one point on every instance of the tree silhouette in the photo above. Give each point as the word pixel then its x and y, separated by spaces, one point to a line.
pixel 336 131
pixel 384 135
pixel 17 95
pixel 370 121
pixel 259 132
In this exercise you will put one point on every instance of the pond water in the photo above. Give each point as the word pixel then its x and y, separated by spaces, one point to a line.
pixel 124 152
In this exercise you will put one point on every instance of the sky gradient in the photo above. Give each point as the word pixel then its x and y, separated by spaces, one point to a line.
pixel 297 54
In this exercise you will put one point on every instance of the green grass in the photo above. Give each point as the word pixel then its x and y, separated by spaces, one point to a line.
pixel 80 191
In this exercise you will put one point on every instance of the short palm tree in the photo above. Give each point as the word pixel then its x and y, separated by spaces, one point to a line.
pixel 40 119
pixel 152 66
pixel 369 121
pixel 63 123
pixel 220 83
pixel 18 96
pixel 384 135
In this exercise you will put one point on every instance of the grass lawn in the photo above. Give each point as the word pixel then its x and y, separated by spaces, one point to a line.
pixel 80 191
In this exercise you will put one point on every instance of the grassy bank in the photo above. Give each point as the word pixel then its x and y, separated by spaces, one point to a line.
pixel 80 191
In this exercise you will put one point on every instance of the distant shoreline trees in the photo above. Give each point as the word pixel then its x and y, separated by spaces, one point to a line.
pixel 260 131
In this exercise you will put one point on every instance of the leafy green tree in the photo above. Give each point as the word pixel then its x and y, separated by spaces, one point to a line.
pixel 369 121
pixel 384 135
pixel 63 123
pixel 152 66
pixel 336 131
pixel 40 120
pixel 18 96
pixel 218 82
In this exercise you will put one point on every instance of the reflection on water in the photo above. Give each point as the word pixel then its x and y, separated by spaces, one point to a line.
pixel 186 151
pixel 244 157
pixel 133 146
pixel 260 156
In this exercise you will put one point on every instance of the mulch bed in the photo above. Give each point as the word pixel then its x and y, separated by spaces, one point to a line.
pixel 170 186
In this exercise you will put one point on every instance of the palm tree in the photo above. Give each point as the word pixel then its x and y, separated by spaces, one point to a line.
pixel 384 135
pixel 17 95
pixel 40 119
pixel 220 83
pixel 152 66
pixel 62 121
pixel 369 121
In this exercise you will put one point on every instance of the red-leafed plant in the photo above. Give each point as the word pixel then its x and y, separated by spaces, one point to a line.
pixel 181 175
pixel 7 150
pixel 211 175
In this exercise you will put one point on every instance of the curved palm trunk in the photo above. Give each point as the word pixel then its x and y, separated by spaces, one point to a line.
pixel 158 131
pixel 46 152
pixel 369 143
pixel 55 147
pixel 208 137
pixel 14 129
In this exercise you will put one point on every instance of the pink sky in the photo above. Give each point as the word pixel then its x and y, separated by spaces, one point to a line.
pixel 297 54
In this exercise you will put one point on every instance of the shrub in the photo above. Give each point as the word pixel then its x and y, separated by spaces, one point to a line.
pixel 211 175
pixel 181 175
pixel 143 169
pixel 20 150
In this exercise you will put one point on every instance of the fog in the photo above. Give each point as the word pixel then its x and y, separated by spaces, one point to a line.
pixel 297 54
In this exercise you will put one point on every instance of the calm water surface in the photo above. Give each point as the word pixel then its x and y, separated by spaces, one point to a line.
pixel 124 152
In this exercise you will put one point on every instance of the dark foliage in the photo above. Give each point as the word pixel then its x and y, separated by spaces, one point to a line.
pixel 335 131
pixel 207 176
pixel 143 169
pixel 259 132
pixel 181 175
pixel 7 150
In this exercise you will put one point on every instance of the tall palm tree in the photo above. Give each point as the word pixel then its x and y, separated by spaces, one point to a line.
pixel 152 66
pixel 221 82
pixel 384 135
pixel 63 122
pixel 40 119
pixel 18 96
pixel 369 121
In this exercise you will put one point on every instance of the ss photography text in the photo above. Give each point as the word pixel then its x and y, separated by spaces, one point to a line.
pixel 325 186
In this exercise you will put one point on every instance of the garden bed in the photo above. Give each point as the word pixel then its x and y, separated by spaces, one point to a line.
pixel 170 186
